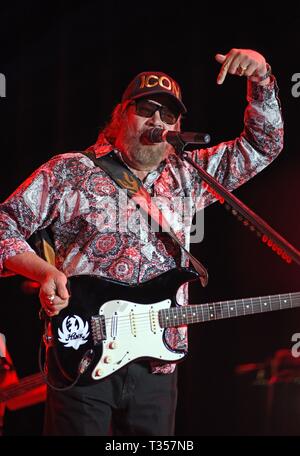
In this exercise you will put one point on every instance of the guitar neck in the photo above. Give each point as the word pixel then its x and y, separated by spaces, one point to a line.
pixel 177 316
pixel 23 386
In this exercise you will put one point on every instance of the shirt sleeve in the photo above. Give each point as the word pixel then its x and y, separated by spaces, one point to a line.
pixel 234 162
pixel 32 206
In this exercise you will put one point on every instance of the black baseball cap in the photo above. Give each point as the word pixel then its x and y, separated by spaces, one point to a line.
pixel 151 83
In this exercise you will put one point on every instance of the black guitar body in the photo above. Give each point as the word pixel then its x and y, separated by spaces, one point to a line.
pixel 108 324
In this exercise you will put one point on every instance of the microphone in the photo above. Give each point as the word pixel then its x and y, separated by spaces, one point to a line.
pixel 158 135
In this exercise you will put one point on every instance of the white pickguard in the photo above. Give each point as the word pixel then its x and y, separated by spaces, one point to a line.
pixel 132 332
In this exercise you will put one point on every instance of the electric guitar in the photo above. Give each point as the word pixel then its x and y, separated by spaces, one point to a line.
pixel 27 391
pixel 108 324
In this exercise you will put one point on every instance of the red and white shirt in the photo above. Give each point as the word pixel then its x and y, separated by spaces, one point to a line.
pixel 97 231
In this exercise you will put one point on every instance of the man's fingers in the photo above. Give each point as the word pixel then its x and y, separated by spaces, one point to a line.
pixel 250 69
pixel 54 295
pixel 224 69
pixel 62 290
pixel 48 288
pixel 241 62
pixel 238 65
pixel 220 58
pixel 56 286
pixel 53 306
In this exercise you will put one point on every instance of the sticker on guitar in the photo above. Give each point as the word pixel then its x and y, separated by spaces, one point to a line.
pixel 74 332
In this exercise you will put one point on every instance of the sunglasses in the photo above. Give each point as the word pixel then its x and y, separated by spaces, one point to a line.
pixel 146 108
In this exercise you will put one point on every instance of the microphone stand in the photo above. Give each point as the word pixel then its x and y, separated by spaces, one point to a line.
pixel 264 231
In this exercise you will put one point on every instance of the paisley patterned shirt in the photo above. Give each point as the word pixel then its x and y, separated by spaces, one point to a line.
pixel 96 230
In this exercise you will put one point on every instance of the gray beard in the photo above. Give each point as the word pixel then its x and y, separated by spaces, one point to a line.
pixel 145 155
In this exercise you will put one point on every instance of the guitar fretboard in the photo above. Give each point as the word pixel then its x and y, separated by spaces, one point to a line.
pixel 26 384
pixel 177 316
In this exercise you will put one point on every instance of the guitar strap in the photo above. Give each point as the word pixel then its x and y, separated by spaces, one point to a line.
pixel 42 243
pixel 125 179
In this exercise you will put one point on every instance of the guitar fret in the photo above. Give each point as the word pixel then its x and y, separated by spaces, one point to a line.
pixel 26 384
pixel 275 304
pixel 194 313
pixel 243 307
pixel 191 315
pixel 270 303
pixel 287 302
pixel 232 309
pixel 239 309
pixel 260 305
pixel 205 312
pixel 248 308
pixel 225 310
pixel 227 302
pixel 256 307
pixel 218 310
pixel 265 303
pixel 221 309
pixel 290 297
pixel 284 302
pixel 211 312
pixel 202 313
pixel 181 315
pixel 189 318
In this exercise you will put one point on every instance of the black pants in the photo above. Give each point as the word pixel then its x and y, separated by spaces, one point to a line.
pixel 132 401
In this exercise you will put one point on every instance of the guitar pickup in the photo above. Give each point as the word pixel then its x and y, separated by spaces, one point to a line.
pixel 98 329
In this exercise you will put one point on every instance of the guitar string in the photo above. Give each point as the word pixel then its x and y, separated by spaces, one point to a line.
pixel 35 380
pixel 217 307
pixel 22 387
pixel 32 378
pixel 179 320
pixel 6 395
pixel 143 321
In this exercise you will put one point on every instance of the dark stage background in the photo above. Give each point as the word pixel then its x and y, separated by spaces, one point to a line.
pixel 66 65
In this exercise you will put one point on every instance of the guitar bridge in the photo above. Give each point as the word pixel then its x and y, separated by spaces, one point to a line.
pixel 98 329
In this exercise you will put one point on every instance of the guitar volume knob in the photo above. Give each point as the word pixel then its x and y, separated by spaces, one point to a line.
pixel 107 359
pixel 113 345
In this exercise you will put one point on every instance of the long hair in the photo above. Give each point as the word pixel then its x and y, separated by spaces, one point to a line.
pixel 110 131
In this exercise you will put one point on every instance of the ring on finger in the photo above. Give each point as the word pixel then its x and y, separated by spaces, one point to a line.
pixel 51 298
pixel 241 70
